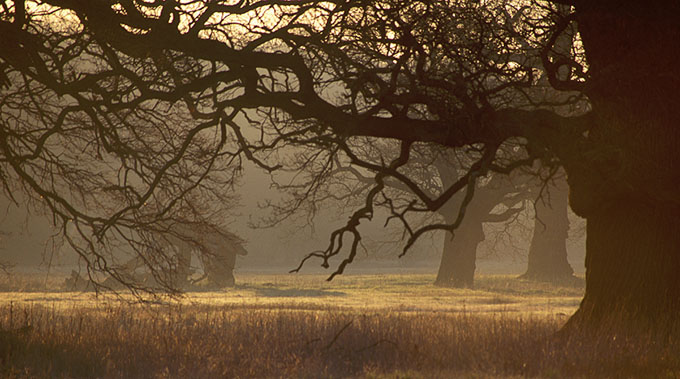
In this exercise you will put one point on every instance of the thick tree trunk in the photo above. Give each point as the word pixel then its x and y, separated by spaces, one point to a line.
pixel 629 193
pixel 632 266
pixel 547 259
pixel 459 255
pixel 457 267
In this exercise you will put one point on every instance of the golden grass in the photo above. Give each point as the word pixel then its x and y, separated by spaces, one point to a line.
pixel 396 292
pixel 299 326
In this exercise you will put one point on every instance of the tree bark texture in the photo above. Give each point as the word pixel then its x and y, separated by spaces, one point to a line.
pixel 629 194
pixel 633 266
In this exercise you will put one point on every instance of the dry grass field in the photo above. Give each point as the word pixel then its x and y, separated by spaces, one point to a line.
pixel 293 326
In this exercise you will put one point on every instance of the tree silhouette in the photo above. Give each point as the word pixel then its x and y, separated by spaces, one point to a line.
pixel 406 72
pixel 547 260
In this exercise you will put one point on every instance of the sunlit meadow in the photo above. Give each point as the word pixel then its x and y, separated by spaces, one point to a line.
pixel 302 326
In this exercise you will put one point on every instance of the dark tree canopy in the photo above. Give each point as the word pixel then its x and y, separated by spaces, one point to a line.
pixel 114 112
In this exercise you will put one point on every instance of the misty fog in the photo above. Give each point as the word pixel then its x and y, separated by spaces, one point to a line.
pixel 26 241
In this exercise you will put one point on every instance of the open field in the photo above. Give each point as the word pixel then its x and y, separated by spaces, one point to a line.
pixel 302 326
pixel 404 293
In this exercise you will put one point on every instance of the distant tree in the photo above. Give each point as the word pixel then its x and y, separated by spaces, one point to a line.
pixel 5 267
pixel 547 260
pixel 547 255
pixel 456 73
pixel 110 161
pixel 434 169
pixel 459 254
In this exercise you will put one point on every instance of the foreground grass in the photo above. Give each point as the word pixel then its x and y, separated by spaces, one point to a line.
pixel 281 327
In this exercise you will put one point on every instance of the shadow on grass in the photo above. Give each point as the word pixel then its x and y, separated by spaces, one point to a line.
pixel 574 286
pixel 494 300
pixel 21 355
pixel 292 292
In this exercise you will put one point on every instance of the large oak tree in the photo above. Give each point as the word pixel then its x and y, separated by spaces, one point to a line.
pixel 333 75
